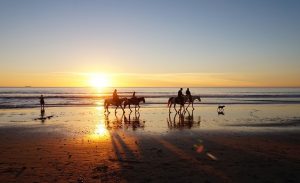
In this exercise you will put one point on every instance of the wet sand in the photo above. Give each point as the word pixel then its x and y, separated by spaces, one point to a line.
pixel 83 145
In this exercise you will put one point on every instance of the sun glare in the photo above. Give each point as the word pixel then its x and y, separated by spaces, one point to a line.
pixel 98 80
pixel 101 130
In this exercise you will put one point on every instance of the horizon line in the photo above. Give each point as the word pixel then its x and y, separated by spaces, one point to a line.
pixel 152 87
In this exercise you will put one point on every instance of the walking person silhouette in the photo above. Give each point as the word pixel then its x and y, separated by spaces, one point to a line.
pixel 42 103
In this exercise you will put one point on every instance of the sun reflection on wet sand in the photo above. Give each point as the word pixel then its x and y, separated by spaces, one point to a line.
pixel 100 131
pixel 99 107
pixel 86 145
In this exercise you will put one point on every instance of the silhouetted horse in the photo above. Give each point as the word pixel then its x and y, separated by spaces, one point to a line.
pixel 186 99
pixel 175 100
pixel 134 101
pixel 117 103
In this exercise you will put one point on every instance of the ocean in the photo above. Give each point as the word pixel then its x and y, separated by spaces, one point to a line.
pixel 28 97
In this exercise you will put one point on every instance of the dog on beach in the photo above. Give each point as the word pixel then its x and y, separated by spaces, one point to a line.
pixel 221 107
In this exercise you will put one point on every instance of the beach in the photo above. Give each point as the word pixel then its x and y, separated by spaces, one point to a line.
pixel 142 91
pixel 82 144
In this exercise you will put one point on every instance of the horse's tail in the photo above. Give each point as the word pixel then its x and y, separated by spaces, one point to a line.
pixel 169 101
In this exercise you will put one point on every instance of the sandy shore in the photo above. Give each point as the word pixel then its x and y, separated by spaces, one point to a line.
pixel 43 153
pixel 184 157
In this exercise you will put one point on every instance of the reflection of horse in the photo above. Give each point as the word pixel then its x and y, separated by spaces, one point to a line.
pixel 134 121
pixel 186 98
pixel 134 101
pixel 183 120
pixel 117 123
pixel 121 121
pixel 175 100
pixel 117 103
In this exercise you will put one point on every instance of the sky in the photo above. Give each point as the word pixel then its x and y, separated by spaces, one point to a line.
pixel 205 43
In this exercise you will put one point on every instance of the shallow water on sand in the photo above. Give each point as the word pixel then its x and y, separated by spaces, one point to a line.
pixel 78 121
pixel 83 144
pixel 29 97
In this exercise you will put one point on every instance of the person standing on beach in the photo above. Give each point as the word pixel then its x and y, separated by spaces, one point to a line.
pixel 180 96
pixel 42 103
pixel 115 96
pixel 188 94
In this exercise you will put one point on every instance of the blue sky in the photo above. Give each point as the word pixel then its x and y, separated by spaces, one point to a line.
pixel 259 37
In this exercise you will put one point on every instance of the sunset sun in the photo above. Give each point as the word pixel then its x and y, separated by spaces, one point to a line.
pixel 99 80
pixel 150 90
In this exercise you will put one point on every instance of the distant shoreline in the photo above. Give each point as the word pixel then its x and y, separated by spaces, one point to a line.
pixel 153 87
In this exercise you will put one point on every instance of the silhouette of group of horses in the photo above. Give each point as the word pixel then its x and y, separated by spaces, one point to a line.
pixel 123 102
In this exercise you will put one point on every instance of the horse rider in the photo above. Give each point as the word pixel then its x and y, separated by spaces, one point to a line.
pixel 188 94
pixel 133 96
pixel 180 96
pixel 115 96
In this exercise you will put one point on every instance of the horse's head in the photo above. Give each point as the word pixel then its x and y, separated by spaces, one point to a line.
pixel 143 99
pixel 198 97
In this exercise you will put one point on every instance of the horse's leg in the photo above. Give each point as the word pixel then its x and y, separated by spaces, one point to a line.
pixel 175 107
pixel 116 109
pixel 130 108
pixel 193 104
pixel 188 105
pixel 189 113
pixel 174 119
pixel 106 108
pixel 182 108
pixel 170 108
pixel 169 120
pixel 184 111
